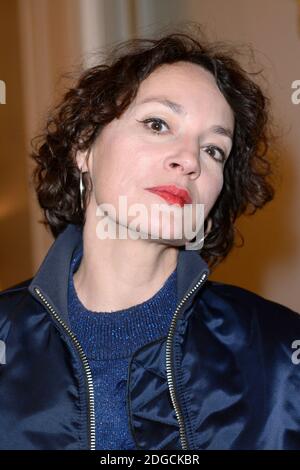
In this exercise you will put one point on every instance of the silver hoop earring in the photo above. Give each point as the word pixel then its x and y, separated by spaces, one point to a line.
pixel 202 239
pixel 81 189
pixel 200 242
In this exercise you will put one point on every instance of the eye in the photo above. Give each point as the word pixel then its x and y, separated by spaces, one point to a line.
pixel 157 122
pixel 212 150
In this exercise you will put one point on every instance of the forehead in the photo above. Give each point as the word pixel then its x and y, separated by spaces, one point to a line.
pixel 187 84
pixel 180 74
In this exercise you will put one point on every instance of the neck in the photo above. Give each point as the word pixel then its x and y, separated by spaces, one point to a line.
pixel 115 274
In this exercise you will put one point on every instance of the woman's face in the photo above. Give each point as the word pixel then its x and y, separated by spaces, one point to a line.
pixel 175 132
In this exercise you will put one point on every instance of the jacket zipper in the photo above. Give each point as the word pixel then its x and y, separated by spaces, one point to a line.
pixel 169 365
pixel 86 367
pixel 170 372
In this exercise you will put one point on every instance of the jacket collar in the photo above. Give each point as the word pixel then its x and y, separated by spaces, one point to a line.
pixel 52 277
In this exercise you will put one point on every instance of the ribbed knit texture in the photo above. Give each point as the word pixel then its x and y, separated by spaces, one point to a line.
pixel 109 339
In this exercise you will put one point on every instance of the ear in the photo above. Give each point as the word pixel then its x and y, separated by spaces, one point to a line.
pixel 82 160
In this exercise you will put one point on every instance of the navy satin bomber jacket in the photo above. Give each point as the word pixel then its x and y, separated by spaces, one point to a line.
pixel 223 378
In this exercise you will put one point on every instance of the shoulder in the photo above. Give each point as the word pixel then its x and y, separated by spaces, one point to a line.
pixel 252 312
pixel 241 297
pixel 11 297
pixel 15 290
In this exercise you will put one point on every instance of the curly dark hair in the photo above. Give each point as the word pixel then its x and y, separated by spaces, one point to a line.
pixel 103 92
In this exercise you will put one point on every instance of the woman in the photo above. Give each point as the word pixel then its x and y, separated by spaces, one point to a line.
pixel 124 342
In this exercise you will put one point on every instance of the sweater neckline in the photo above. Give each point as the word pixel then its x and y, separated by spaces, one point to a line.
pixel 117 334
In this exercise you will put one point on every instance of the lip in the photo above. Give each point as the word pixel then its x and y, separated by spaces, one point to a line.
pixel 172 194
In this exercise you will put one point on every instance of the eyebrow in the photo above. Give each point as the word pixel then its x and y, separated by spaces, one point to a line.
pixel 176 107
pixel 179 109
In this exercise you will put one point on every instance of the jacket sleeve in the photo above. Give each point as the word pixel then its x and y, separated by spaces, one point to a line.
pixel 9 300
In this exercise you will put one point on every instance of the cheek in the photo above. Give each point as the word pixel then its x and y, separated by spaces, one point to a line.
pixel 210 190
pixel 108 160
pixel 119 169
pixel 219 184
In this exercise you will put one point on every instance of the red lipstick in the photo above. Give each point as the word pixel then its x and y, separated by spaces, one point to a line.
pixel 172 194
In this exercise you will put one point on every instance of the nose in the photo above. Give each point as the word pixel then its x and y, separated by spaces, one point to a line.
pixel 185 160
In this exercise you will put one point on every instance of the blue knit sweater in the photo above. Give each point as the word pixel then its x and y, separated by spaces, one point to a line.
pixel 109 339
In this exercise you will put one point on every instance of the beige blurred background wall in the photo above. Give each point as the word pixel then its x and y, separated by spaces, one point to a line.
pixel 43 39
pixel 15 241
